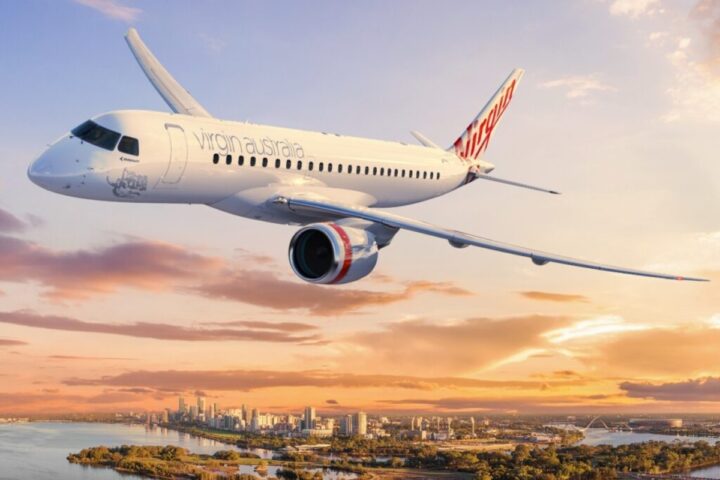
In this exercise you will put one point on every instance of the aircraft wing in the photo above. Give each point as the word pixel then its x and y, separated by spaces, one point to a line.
pixel 457 239
pixel 179 99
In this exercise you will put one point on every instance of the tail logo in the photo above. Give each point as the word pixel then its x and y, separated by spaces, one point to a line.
pixel 476 138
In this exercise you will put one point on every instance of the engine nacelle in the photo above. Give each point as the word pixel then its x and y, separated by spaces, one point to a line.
pixel 332 253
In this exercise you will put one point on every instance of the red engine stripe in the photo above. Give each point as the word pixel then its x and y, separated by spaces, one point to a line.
pixel 348 253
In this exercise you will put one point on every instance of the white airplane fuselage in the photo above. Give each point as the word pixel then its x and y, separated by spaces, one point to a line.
pixel 236 166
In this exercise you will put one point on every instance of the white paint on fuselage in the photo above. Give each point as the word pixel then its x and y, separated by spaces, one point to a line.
pixel 76 168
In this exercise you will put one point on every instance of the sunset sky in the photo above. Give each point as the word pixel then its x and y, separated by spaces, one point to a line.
pixel 109 306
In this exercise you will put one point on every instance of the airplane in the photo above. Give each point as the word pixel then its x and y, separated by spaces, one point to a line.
pixel 334 187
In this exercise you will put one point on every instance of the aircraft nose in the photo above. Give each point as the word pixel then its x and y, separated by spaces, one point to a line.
pixel 41 170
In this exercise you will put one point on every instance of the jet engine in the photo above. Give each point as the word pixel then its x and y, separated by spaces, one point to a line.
pixel 331 253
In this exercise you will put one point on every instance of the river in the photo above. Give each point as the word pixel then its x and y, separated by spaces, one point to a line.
pixel 38 451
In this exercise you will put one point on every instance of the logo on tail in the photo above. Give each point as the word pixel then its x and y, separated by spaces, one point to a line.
pixel 476 137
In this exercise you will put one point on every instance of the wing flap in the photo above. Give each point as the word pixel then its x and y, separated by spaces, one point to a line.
pixel 461 239
pixel 177 97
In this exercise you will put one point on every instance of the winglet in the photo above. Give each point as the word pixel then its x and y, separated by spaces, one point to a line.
pixel 177 97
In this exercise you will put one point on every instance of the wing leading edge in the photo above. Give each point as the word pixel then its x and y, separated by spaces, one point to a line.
pixel 179 99
pixel 460 239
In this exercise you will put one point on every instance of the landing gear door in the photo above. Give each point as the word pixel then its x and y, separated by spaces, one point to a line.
pixel 178 154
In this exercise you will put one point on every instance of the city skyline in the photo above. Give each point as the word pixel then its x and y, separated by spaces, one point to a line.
pixel 106 307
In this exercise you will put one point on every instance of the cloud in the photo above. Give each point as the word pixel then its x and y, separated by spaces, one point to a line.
pixel 634 8
pixel 604 325
pixel 535 404
pixel 7 342
pixel 578 87
pixel 694 390
pixel 707 15
pixel 457 347
pixel 554 297
pixel 9 223
pixel 113 9
pixel 668 351
pixel 78 274
pixel 332 402
pixel 266 289
pixel 213 43
pixel 247 380
pixel 160 331
pixel 280 326
pixel 85 358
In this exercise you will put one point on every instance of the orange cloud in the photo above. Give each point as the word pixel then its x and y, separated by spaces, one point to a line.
pixel 160 331
pixel 554 297
pixel 660 352
pixel 247 380
pixel 694 390
pixel 7 342
pixel 450 348
pixel 259 287
pixel 79 274
pixel 81 358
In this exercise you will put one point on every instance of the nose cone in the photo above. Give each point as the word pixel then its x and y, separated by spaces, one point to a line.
pixel 44 169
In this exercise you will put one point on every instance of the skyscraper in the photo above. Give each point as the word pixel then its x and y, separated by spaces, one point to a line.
pixel 360 426
pixel 309 419
pixel 244 414
pixel 347 425
pixel 201 404
pixel 181 405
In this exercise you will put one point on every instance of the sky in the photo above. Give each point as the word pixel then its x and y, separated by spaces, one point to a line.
pixel 110 306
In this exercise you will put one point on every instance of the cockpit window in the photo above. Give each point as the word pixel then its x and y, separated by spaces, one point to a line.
pixel 129 145
pixel 99 136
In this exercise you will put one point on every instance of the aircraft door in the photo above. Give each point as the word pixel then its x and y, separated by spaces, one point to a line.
pixel 178 154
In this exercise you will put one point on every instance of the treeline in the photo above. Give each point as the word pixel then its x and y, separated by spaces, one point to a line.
pixel 571 463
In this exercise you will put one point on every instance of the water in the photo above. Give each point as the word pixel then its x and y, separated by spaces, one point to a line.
pixel 600 436
pixel 38 451
pixel 710 472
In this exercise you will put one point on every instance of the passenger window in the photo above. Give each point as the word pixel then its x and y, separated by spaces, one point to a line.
pixel 367 170
pixel 241 160
pixel 403 173
pixel 216 158
pixel 329 167
pixel 424 175
pixel 374 170
pixel 357 170
pixel 340 168
pixel 437 176
pixel 382 171
pixel 350 169
pixel 228 159
pixel 321 167
pixel 310 166
pixel 299 165
pixel 396 172
pixel 288 165
pixel 277 163
pixel 264 162
pixel 252 161
pixel 129 145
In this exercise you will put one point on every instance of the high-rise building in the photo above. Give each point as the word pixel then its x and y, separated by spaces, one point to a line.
pixel 472 426
pixel 360 424
pixel 181 405
pixel 412 424
pixel 346 426
pixel 244 413
pixel 201 404
pixel 193 412
pixel 309 418
pixel 255 420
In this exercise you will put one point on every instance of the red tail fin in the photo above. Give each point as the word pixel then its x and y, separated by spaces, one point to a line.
pixel 476 137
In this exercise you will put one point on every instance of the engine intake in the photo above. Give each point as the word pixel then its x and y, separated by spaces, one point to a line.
pixel 330 253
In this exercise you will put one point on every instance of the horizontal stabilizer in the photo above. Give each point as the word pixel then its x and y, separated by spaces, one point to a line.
pixel 515 184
